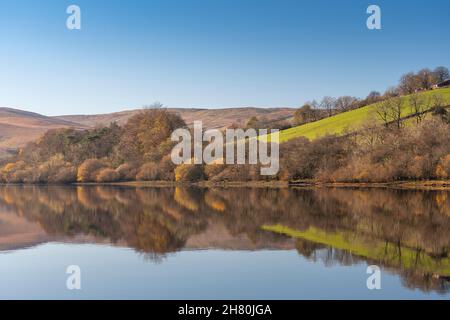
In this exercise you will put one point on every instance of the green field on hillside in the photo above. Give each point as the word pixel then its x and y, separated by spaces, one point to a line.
pixel 348 121
pixel 377 250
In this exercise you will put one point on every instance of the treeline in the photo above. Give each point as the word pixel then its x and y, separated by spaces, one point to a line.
pixel 375 154
pixel 411 82
pixel 414 147
pixel 140 150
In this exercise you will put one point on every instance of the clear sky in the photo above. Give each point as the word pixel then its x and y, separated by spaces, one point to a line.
pixel 210 53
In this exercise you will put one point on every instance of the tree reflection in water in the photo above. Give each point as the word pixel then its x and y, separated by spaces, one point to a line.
pixel 405 231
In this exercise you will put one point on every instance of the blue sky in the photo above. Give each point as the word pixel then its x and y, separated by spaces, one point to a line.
pixel 210 53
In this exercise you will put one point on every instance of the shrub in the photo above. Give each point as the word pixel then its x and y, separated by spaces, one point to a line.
pixel 148 171
pixel 107 175
pixel 443 168
pixel 212 170
pixel 189 172
pixel 19 176
pixel 126 172
pixel 65 174
pixel 236 172
pixel 88 170
pixel 10 169
pixel 146 135
pixel 304 159
pixel 50 170
pixel 166 169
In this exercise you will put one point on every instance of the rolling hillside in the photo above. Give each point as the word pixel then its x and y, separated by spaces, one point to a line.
pixel 18 127
pixel 350 120
pixel 211 118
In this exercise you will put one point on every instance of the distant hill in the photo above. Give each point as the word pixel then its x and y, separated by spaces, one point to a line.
pixel 211 118
pixel 18 127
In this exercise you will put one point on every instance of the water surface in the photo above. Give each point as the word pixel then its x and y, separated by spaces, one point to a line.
pixel 218 243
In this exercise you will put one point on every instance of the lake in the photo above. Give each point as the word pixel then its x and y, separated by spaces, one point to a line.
pixel 223 243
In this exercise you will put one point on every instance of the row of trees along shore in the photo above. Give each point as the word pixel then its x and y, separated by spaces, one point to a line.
pixel 399 149
pixel 328 106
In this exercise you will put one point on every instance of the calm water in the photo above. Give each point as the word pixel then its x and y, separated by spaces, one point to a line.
pixel 236 243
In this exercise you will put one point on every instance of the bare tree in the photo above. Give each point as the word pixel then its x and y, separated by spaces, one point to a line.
pixel 373 97
pixel 396 105
pixel 437 100
pixel 303 114
pixel 368 137
pixel 425 78
pixel 417 105
pixel 345 103
pixel 390 93
pixel 441 74
pixel 315 109
pixel 328 103
pixel 383 112
pixel 391 111
pixel 409 83
pixel 154 105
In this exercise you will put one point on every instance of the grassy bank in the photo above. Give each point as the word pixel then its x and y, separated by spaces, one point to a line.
pixel 418 185
pixel 350 120
pixel 390 254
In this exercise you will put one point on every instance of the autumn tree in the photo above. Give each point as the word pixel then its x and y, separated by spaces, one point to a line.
pixel 443 168
pixel 148 171
pixel 88 170
pixel 304 114
pixel 107 175
pixel 126 172
pixel 146 135
pixel 189 173
pixel 254 123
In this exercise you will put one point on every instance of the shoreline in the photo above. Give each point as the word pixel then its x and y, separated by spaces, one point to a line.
pixel 443 185
pixel 413 185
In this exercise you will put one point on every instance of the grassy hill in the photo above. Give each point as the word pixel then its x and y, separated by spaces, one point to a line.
pixel 377 250
pixel 18 127
pixel 350 120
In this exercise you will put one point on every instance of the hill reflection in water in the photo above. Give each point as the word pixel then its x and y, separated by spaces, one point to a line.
pixel 407 232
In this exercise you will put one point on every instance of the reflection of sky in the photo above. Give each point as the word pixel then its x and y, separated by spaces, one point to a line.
pixel 113 273
pixel 210 53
